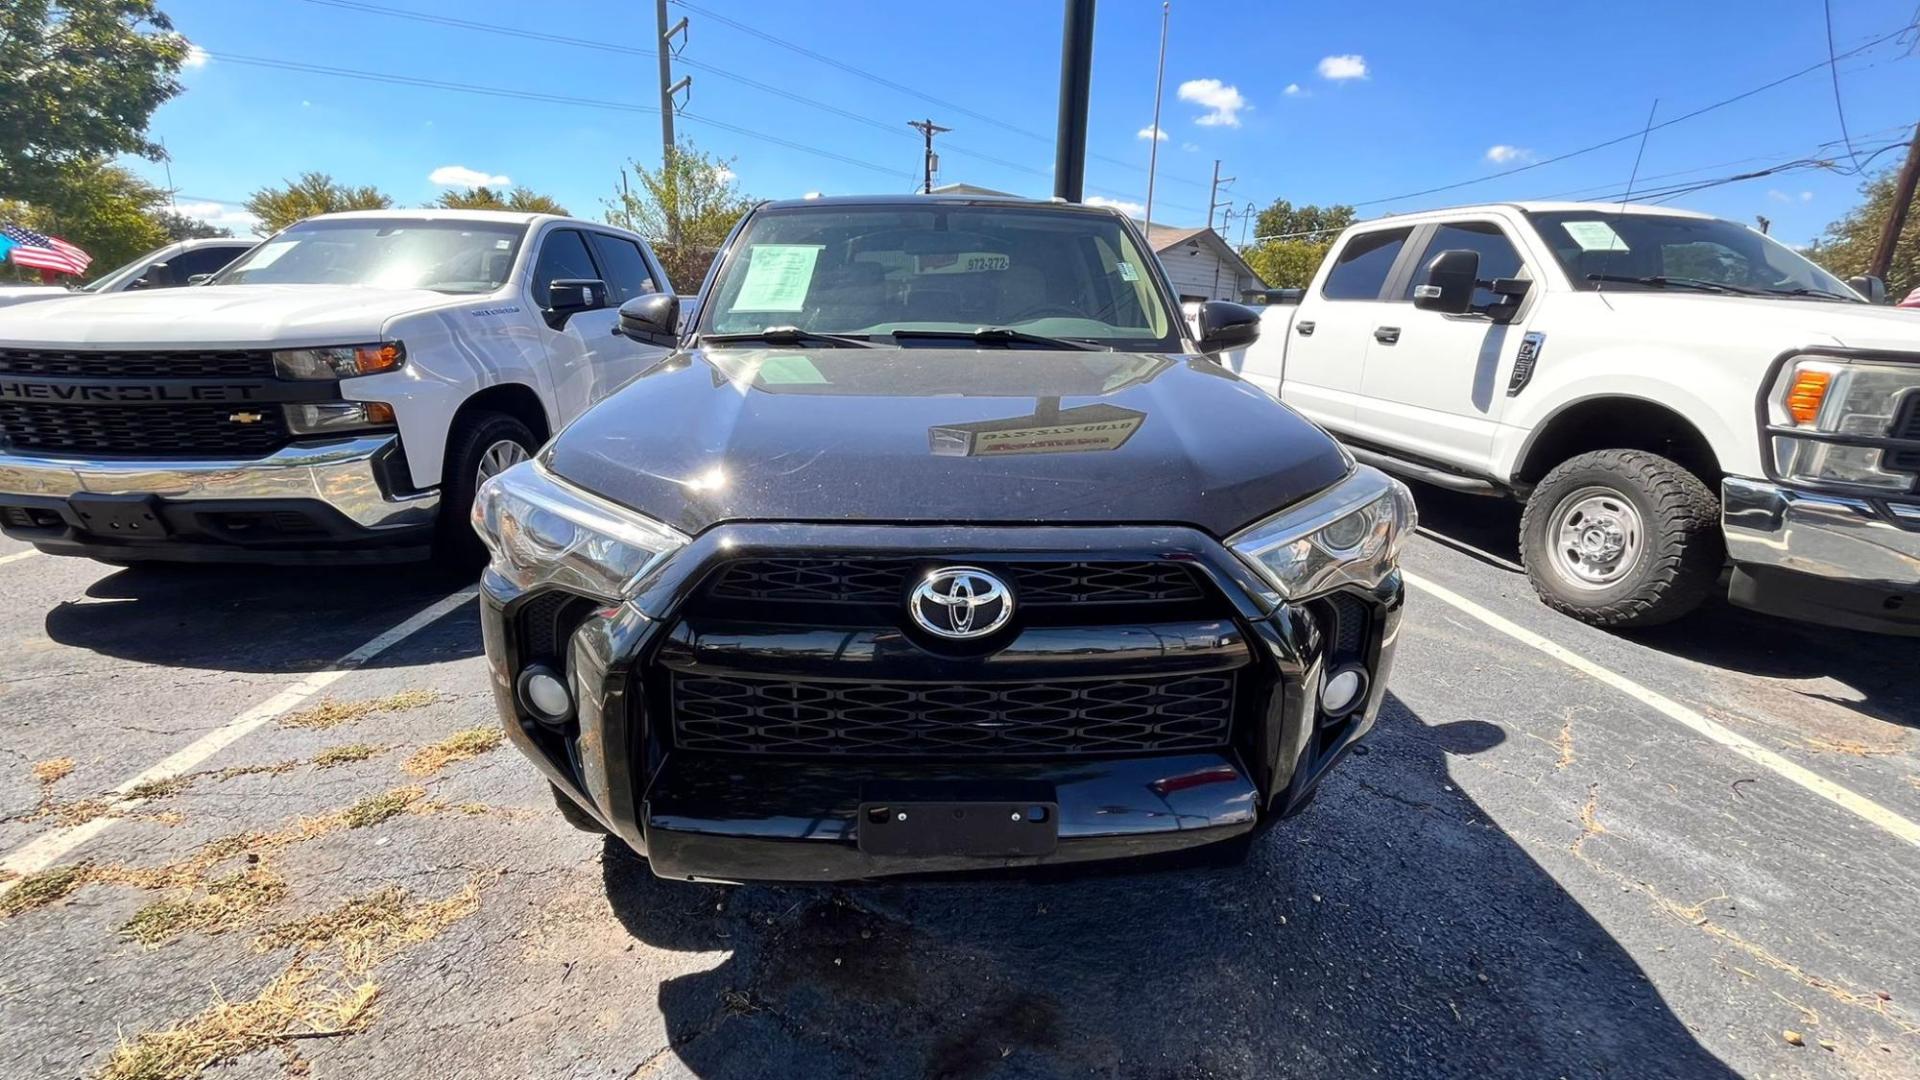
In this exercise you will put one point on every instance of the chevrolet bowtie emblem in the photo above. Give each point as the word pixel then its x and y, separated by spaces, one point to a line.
pixel 246 418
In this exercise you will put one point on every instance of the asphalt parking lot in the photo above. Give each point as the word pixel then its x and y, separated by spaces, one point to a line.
pixel 1568 853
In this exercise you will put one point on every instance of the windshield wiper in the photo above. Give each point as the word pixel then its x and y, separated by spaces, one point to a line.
pixel 1803 290
pixel 790 335
pixel 1677 282
pixel 1003 335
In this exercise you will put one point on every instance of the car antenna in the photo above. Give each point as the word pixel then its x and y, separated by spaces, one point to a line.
pixel 1599 287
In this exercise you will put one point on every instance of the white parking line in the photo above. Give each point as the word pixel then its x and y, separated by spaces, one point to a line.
pixel 42 851
pixel 1854 803
pixel 18 555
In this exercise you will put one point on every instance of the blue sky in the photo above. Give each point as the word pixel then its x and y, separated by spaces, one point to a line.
pixel 1311 102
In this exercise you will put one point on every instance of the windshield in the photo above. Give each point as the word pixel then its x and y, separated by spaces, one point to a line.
pixel 870 271
pixel 392 253
pixel 1619 245
pixel 120 274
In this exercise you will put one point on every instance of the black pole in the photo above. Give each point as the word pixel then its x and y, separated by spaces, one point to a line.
pixel 1076 79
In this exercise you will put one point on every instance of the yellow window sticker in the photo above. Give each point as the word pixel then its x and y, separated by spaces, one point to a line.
pixel 1594 236
pixel 778 276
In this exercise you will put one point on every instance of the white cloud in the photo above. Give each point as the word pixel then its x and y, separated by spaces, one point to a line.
pixel 461 176
pixel 1293 90
pixel 722 174
pixel 1503 154
pixel 220 215
pixel 196 58
pixel 1131 209
pixel 1189 147
pixel 1784 197
pixel 1337 68
pixel 1223 102
pixel 1150 132
pixel 1806 196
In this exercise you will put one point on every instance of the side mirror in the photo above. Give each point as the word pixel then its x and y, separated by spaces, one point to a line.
pixel 1451 277
pixel 653 319
pixel 1874 289
pixel 568 297
pixel 199 279
pixel 1226 325
pixel 139 283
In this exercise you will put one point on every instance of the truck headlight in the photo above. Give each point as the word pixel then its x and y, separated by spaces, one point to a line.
pixel 341 417
pixel 1349 534
pixel 339 362
pixel 1837 396
pixel 542 530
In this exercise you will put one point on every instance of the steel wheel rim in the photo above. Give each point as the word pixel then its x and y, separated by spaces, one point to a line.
pixel 1597 538
pixel 498 458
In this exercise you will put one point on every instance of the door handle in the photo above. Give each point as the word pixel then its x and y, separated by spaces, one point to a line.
pixel 1304 329
pixel 1386 335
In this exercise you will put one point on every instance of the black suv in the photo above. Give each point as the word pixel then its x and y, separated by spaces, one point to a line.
pixel 940 545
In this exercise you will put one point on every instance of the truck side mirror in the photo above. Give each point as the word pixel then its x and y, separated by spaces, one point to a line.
pixel 199 279
pixel 1874 289
pixel 653 319
pixel 1451 278
pixel 567 297
pixel 1227 325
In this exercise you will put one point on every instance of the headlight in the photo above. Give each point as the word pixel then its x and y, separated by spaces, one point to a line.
pixel 1839 397
pixel 329 417
pixel 341 362
pixel 542 530
pixel 1349 534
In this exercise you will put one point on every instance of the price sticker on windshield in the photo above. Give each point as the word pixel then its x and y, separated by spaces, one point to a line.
pixel 1594 236
pixel 778 276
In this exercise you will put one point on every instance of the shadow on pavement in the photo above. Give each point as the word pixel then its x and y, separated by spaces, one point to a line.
pixel 1387 931
pixel 255 619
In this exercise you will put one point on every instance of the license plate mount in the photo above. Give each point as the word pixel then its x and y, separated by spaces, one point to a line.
pixel 975 828
pixel 120 517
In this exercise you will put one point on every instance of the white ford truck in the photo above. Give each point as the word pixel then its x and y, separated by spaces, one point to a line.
pixel 334 395
pixel 1666 391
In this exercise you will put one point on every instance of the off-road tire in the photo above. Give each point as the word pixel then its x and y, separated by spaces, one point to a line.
pixel 1683 552
pixel 456 546
pixel 576 817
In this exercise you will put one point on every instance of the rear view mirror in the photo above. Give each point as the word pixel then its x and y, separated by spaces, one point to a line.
pixel 1226 325
pixel 653 319
pixel 568 297
pixel 1451 278
pixel 1874 289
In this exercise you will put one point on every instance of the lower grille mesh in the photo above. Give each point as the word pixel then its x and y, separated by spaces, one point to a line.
pixel 816 719
pixel 156 430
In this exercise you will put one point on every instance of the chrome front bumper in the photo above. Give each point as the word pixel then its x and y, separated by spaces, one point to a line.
pixel 1834 559
pixel 342 474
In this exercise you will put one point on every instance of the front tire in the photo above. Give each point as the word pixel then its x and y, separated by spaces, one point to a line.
pixel 1622 539
pixel 481 445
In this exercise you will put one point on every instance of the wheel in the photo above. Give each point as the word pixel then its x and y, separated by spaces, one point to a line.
pixel 481 445
pixel 576 817
pixel 1622 538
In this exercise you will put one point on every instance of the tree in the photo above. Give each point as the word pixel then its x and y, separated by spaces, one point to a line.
pixel 1287 264
pixel 522 199
pixel 1296 240
pixel 99 207
pixel 1317 223
pixel 181 227
pixel 79 79
pixel 1847 247
pixel 685 210
pixel 313 193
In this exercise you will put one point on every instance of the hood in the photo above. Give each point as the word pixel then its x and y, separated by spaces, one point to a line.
pixel 1773 325
pixel 20 294
pixel 1004 436
pixel 241 316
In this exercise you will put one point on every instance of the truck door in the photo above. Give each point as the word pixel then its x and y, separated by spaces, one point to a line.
pixel 629 273
pixel 1326 348
pixel 1433 386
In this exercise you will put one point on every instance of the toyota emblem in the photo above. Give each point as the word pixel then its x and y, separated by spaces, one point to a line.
pixel 961 603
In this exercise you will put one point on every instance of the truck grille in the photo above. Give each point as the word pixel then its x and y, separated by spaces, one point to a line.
pixel 138 365
pixel 142 430
pixel 885 581
pixel 823 719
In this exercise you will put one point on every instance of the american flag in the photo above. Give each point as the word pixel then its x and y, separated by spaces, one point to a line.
pixel 44 252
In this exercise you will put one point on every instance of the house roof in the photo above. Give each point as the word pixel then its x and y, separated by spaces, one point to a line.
pixel 1163 239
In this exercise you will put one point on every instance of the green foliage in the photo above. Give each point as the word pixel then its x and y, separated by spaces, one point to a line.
pixel 99 207
pixel 1286 264
pixel 79 79
pixel 522 199
pixel 313 193
pixel 181 227
pixel 1847 247
pixel 1317 223
pixel 685 210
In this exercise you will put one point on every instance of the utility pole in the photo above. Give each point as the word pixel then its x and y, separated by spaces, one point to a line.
pixel 928 129
pixel 1076 79
pixel 1153 144
pixel 1246 216
pixel 1897 214
pixel 668 88
pixel 1213 196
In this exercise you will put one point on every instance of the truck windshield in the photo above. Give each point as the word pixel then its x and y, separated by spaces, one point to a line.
pixel 392 253
pixel 868 271
pixel 1616 246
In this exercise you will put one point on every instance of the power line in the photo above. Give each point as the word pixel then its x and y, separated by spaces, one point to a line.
pixel 1833 69
pixel 1615 141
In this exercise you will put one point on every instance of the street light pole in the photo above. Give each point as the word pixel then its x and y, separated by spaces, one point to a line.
pixel 1159 81
pixel 1076 80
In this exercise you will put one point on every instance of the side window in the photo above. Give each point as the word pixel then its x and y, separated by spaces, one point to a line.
pixel 1498 258
pixel 563 254
pixel 206 260
pixel 626 268
pixel 1364 264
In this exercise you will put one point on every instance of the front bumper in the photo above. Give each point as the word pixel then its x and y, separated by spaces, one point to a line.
pixel 733 817
pixel 346 492
pixel 1837 560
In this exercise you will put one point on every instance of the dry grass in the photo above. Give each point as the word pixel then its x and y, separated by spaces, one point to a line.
pixel 375 809
pixel 44 887
pixel 162 788
pixel 341 755
pixel 53 771
pixel 460 746
pixel 297 1003
pixel 331 713
pixel 228 903
pixel 367 930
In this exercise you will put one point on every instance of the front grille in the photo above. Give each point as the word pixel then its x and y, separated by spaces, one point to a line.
pixel 547 622
pixel 138 365
pixel 885 581
pixel 144 430
pixel 974 721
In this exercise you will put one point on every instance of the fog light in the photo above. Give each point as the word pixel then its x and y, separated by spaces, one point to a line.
pixel 544 692
pixel 1343 690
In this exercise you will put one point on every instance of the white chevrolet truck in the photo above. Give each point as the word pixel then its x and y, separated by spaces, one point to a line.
pixel 334 395
pixel 1667 392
